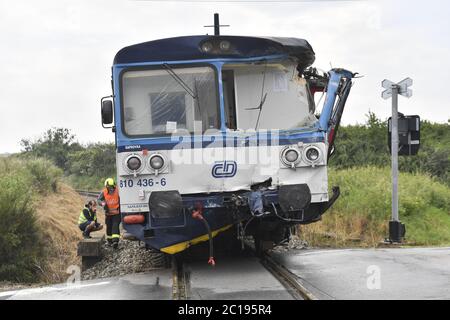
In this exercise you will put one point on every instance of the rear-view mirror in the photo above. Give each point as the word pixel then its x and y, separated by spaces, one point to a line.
pixel 107 112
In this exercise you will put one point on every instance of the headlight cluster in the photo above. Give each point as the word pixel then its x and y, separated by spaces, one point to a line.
pixel 216 46
pixel 136 164
pixel 293 156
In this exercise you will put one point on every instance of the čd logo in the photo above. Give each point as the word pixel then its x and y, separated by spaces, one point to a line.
pixel 224 169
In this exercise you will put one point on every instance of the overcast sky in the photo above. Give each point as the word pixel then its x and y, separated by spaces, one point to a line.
pixel 56 55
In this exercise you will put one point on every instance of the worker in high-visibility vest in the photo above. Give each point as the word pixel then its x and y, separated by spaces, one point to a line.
pixel 87 221
pixel 109 200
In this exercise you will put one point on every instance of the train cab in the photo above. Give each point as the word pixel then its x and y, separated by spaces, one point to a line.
pixel 222 132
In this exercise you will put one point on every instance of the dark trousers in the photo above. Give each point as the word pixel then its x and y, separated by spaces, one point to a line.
pixel 112 228
pixel 84 225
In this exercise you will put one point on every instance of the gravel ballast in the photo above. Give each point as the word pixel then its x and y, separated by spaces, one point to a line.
pixel 129 257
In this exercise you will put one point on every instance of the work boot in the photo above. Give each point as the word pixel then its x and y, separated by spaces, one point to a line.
pixel 86 235
pixel 115 245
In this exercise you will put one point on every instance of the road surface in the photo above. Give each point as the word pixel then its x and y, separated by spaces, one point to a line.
pixel 413 273
pixel 156 285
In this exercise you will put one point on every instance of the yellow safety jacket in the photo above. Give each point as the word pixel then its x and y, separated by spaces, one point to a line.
pixel 87 213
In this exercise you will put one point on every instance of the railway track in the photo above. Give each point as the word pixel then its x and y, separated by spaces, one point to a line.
pixel 181 283
pixel 289 280
pixel 87 193
pixel 196 280
pixel 181 273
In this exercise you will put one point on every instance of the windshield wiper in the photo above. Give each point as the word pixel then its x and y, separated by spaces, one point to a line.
pixel 263 98
pixel 179 80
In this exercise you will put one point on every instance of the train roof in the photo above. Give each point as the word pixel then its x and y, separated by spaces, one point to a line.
pixel 190 48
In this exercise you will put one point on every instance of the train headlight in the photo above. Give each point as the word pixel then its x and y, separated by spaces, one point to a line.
pixel 290 156
pixel 156 162
pixel 225 45
pixel 312 154
pixel 207 47
pixel 134 163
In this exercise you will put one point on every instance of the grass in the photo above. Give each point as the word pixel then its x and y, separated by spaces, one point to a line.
pixel 39 232
pixel 57 217
pixel 21 183
pixel 19 236
pixel 360 216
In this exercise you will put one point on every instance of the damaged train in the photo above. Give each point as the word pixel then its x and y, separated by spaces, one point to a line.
pixel 221 132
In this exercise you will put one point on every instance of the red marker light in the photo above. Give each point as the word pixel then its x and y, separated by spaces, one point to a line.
pixel 331 136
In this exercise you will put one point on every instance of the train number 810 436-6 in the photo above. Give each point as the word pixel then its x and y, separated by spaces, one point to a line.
pixel 151 182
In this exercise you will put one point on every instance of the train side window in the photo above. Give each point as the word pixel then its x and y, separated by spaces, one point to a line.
pixel 229 98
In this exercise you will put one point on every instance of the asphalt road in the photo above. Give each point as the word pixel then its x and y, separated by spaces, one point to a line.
pixel 414 273
pixel 156 285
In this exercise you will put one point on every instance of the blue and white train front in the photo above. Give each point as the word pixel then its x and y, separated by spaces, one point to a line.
pixel 233 141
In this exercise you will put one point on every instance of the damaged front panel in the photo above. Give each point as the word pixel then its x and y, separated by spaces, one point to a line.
pixel 219 170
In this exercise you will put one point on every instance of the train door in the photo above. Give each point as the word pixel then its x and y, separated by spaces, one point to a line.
pixel 229 98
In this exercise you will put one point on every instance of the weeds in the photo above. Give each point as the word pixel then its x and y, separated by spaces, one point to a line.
pixel 360 216
pixel 21 182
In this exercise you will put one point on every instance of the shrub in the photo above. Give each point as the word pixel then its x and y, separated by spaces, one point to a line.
pixel 21 249
pixel 44 176
pixel 367 145
pixel 19 235
pixel 362 212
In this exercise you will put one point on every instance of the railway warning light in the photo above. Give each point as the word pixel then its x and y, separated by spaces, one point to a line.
pixel 156 162
pixel 408 135
pixel 404 138
pixel 134 163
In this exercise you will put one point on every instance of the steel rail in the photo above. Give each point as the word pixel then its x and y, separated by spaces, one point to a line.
pixel 289 280
pixel 180 280
pixel 88 193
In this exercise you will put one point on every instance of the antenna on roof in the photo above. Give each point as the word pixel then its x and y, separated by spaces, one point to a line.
pixel 217 25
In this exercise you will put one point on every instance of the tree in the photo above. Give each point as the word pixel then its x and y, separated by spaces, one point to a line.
pixel 97 160
pixel 362 145
pixel 56 144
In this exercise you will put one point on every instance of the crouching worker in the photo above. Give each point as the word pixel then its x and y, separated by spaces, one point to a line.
pixel 87 221
pixel 109 200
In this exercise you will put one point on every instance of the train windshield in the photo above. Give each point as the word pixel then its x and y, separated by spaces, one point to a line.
pixel 170 99
pixel 266 95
